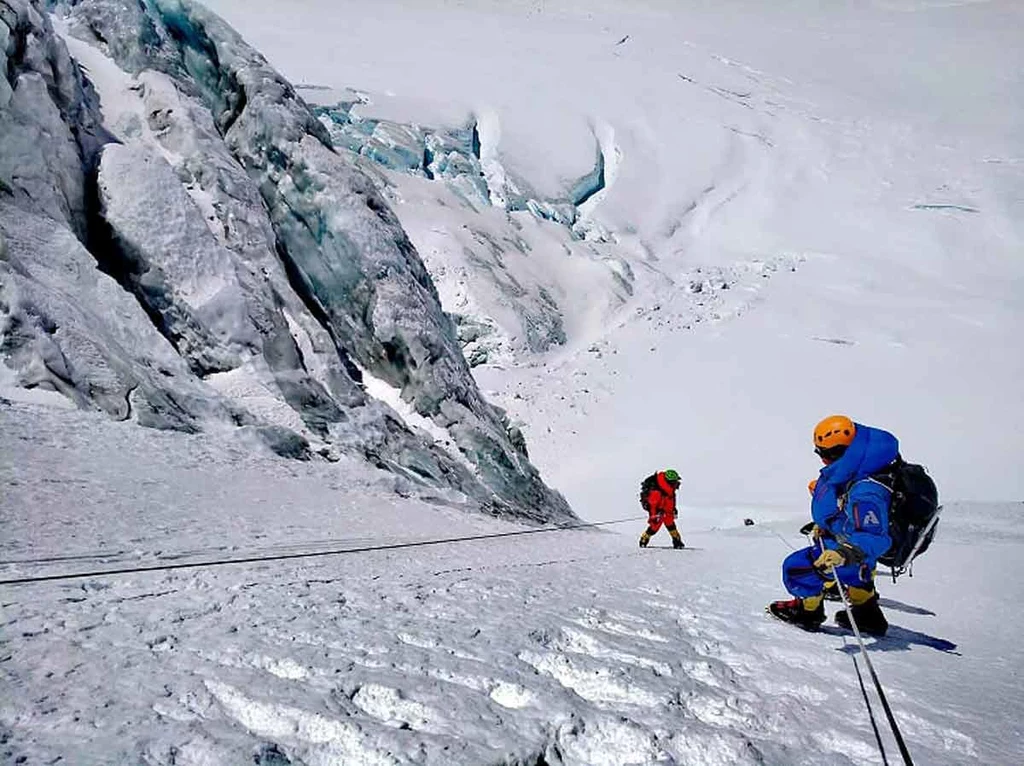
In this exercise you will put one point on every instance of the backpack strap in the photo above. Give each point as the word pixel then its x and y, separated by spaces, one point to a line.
pixel 887 476
pixel 879 480
pixel 884 478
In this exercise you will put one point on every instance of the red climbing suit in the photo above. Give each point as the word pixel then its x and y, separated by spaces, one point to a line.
pixel 661 504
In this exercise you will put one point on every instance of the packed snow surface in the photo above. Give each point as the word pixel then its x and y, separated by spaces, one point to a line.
pixel 561 647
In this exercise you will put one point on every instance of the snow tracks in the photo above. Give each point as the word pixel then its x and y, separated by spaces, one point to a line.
pixel 565 649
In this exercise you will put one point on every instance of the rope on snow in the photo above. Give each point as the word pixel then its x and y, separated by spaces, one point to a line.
pixel 867 704
pixel 893 726
pixel 300 555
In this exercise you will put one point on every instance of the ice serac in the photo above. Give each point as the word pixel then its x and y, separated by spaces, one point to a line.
pixel 256 269
pixel 185 280
pixel 64 325
pixel 489 272
pixel 346 251
pixel 42 107
pixel 68 327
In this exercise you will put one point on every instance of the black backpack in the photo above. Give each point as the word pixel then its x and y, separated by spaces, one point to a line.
pixel 913 514
pixel 651 482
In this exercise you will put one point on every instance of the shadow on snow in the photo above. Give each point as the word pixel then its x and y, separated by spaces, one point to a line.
pixel 897 639
pixel 899 606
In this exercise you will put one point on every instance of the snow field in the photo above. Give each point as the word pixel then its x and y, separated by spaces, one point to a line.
pixel 873 148
pixel 574 646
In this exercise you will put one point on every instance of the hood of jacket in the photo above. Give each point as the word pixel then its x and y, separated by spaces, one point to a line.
pixel 664 485
pixel 872 450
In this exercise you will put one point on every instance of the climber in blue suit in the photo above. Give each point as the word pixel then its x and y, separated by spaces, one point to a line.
pixel 850 512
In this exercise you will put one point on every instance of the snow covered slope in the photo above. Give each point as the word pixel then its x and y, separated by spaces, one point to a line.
pixel 804 208
pixel 569 648
pixel 818 208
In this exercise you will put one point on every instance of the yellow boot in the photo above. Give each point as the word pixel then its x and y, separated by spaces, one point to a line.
pixel 677 541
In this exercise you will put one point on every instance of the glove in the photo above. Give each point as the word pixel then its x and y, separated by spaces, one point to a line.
pixel 810 528
pixel 830 558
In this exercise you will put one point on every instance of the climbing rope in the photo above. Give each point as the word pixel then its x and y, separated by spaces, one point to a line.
pixel 787 542
pixel 907 760
pixel 867 704
pixel 894 727
pixel 299 555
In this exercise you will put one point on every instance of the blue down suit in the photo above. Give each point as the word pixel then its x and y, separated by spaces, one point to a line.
pixel 852 510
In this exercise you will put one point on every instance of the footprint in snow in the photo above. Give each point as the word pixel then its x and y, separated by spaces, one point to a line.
pixel 389 707
pixel 593 682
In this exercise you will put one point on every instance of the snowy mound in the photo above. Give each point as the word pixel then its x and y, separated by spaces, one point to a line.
pixel 183 246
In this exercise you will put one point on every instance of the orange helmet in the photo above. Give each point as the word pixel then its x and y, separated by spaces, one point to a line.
pixel 833 431
pixel 832 436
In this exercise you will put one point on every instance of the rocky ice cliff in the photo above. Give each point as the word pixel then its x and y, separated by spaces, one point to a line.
pixel 183 246
pixel 520 273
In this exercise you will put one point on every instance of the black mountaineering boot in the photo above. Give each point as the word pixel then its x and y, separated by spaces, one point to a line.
pixel 795 613
pixel 677 541
pixel 869 618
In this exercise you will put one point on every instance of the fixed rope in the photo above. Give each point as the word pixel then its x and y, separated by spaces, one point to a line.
pixel 894 727
pixel 904 752
pixel 301 554
pixel 867 704
pixel 787 542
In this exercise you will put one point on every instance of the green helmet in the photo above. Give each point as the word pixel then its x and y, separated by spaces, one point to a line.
pixel 671 474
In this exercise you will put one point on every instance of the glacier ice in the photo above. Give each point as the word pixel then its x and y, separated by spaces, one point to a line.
pixel 171 167
pixel 499 302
